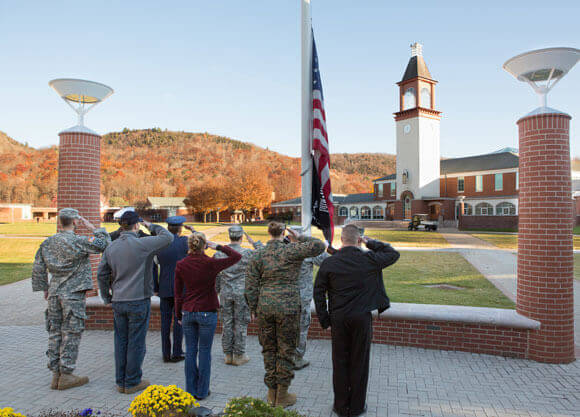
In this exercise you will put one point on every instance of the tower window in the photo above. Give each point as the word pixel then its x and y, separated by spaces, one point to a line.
pixel 498 182
pixel 409 99
pixel 479 183
pixel 425 98
pixel 460 184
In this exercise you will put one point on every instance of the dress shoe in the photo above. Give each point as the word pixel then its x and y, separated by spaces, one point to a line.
pixel 201 399
pixel 166 359
pixel 359 413
pixel 335 411
pixel 178 358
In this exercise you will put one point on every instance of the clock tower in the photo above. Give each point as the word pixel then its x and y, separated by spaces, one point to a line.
pixel 417 124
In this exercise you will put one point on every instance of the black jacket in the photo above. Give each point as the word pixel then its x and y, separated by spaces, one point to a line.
pixel 353 280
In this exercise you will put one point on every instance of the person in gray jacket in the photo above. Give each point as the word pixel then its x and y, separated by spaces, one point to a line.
pixel 126 280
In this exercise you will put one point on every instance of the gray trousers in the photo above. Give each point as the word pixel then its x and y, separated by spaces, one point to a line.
pixel 65 323
pixel 235 316
pixel 304 326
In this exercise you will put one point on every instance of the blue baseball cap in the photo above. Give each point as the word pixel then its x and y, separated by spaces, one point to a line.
pixel 129 218
pixel 176 220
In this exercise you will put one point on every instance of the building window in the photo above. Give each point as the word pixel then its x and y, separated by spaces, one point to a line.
pixel 365 213
pixel 393 189
pixel 343 212
pixel 377 212
pixel 498 182
pixel 460 184
pixel 505 209
pixel 379 190
pixel 409 99
pixel 298 210
pixel 517 180
pixel 484 209
pixel 425 98
pixel 353 212
pixel 467 209
pixel 479 183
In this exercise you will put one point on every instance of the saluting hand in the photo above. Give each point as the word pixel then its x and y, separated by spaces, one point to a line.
pixel 87 224
pixel 250 240
pixel 212 245
pixel 188 227
pixel 293 235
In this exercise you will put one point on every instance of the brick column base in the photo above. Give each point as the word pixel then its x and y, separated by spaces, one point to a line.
pixel 545 289
pixel 79 181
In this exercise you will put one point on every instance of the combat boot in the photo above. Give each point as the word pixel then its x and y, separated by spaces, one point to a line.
pixel 54 382
pixel 240 359
pixel 139 387
pixel 67 381
pixel 300 363
pixel 272 396
pixel 284 398
pixel 228 359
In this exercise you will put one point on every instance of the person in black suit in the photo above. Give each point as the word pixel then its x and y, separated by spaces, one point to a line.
pixel 353 281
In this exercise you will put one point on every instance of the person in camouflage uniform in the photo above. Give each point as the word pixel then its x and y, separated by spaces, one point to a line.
pixel 230 285
pixel 305 285
pixel 273 296
pixel 65 258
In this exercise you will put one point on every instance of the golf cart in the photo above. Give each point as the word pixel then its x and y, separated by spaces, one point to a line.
pixel 422 222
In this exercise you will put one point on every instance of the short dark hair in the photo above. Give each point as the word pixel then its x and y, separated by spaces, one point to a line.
pixel 350 234
pixel 174 228
pixel 126 227
pixel 65 221
pixel 275 229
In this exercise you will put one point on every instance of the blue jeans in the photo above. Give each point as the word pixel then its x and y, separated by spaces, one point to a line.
pixel 198 329
pixel 131 324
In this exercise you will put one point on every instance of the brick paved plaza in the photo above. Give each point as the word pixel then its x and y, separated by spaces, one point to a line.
pixel 404 381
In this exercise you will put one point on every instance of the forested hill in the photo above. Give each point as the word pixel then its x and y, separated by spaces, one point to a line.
pixel 154 162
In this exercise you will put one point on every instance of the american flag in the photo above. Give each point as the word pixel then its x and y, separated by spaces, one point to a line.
pixel 322 205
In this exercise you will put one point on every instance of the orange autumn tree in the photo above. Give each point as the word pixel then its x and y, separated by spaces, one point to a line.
pixel 206 197
pixel 250 189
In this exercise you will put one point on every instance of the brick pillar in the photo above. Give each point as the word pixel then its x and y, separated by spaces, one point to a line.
pixel 79 181
pixel 545 253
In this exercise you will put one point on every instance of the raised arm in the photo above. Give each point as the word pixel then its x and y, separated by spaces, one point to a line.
pixel 381 253
pixel 39 272
pixel 104 279
pixel 161 237
pixel 94 244
pixel 306 247
pixel 320 291
pixel 219 264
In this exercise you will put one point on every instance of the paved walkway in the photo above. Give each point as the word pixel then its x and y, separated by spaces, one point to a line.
pixel 403 381
pixel 500 268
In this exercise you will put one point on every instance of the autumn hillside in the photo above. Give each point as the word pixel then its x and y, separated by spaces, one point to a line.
pixel 151 162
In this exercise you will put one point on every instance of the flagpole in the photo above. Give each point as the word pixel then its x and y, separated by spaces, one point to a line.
pixel 306 172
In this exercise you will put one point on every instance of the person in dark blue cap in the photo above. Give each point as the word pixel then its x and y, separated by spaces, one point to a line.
pixel 163 283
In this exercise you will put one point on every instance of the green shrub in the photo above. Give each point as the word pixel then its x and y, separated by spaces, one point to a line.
pixel 252 407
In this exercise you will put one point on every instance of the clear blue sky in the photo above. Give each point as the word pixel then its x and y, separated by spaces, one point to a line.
pixel 232 67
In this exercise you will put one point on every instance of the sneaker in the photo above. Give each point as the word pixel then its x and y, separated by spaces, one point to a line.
pixel 139 387
pixel 300 363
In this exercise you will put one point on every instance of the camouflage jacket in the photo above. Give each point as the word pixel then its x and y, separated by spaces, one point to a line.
pixel 273 274
pixel 306 282
pixel 64 258
pixel 232 281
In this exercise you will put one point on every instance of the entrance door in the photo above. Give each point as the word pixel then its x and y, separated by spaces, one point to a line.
pixel 407 208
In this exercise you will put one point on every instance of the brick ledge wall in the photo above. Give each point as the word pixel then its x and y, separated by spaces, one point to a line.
pixel 469 329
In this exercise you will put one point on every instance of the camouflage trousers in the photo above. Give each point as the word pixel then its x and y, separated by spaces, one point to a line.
pixel 278 335
pixel 65 322
pixel 304 326
pixel 235 316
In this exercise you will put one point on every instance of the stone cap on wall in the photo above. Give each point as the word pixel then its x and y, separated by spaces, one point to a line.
pixel 499 317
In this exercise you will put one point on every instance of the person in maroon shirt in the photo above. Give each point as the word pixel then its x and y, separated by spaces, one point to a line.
pixel 196 307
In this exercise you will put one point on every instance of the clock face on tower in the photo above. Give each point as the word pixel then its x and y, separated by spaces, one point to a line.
pixel 407 129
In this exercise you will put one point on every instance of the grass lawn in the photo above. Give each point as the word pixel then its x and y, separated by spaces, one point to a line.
pixel 405 281
pixel 577 266
pixel 16 257
pixel 399 238
pixel 510 241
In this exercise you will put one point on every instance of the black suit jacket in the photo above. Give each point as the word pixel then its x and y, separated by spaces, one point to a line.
pixel 353 280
